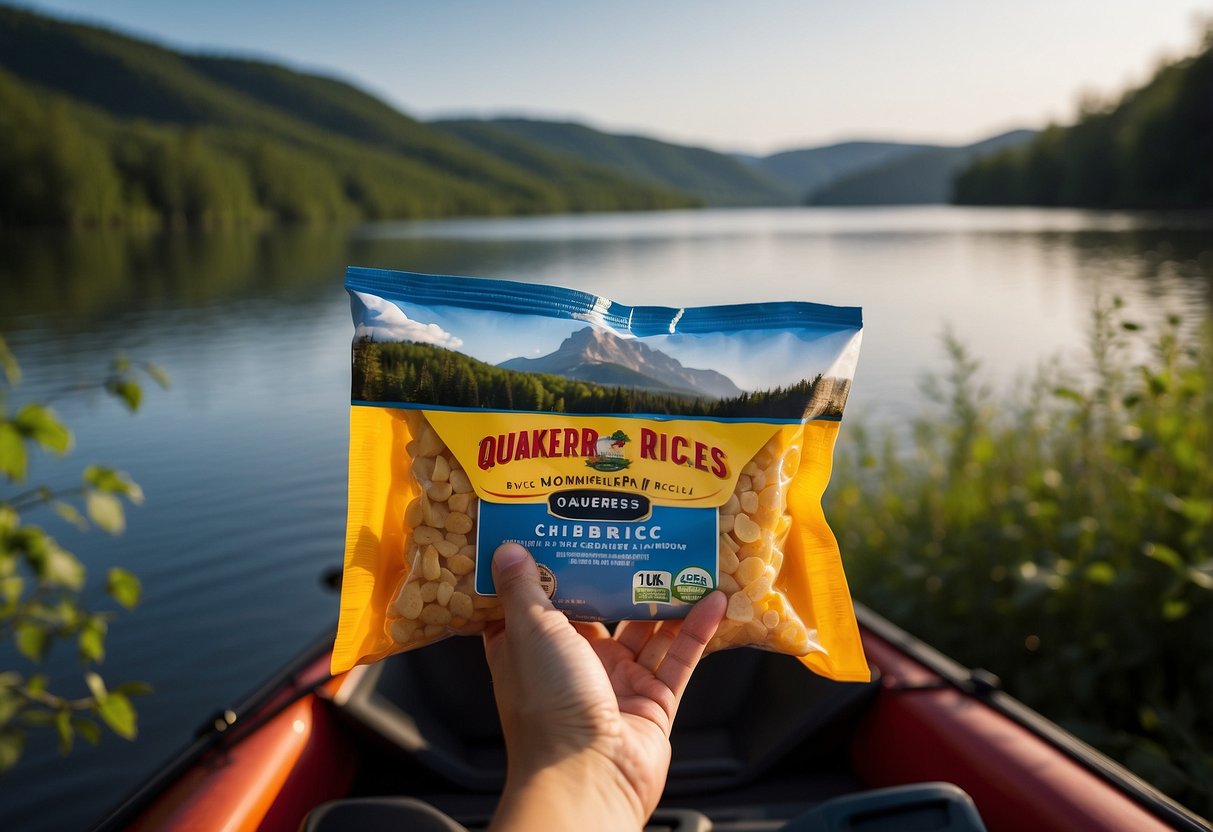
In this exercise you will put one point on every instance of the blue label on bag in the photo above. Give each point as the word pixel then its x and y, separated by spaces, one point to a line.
pixel 607 555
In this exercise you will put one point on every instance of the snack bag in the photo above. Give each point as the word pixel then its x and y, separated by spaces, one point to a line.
pixel 644 455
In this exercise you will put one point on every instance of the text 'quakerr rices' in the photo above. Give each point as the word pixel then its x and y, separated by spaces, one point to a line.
pixel 551 443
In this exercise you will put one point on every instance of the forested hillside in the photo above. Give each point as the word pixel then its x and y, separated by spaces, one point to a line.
pixel 1151 149
pixel 97 129
pixel 714 178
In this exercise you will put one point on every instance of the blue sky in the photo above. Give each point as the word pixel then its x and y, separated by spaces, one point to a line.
pixel 758 76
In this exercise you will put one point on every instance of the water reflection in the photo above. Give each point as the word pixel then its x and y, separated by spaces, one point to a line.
pixel 85 279
pixel 1017 286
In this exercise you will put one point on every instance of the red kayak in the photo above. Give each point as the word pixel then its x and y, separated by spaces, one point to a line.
pixel 760 744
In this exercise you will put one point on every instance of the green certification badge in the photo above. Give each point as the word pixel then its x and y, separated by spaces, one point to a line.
pixel 691 584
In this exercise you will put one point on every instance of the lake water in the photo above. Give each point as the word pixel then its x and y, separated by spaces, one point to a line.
pixel 243 461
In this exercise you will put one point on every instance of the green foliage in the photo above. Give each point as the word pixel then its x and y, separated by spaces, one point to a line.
pixel 1150 150
pixel 40 581
pixel 587 184
pixel 1069 524
pixel 53 172
pixel 714 178
pixel 138 135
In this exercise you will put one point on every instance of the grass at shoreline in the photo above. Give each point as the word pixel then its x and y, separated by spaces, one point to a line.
pixel 1070 524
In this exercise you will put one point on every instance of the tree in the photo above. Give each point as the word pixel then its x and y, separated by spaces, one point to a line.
pixel 367 370
pixel 1149 149
pixel 41 582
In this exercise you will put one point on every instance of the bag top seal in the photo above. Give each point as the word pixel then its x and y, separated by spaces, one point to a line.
pixel 560 302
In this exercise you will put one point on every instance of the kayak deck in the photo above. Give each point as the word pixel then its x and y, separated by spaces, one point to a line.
pixel 758 740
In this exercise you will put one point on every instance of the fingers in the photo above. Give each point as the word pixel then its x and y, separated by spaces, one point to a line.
pixel 658 645
pixel 517 582
pixel 518 590
pixel 635 634
pixel 688 645
pixel 651 641
pixel 493 633
pixel 669 650
pixel 591 630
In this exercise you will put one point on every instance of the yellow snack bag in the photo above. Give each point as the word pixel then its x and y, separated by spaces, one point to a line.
pixel 644 455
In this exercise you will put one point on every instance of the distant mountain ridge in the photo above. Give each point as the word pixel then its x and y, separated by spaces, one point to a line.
pixel 809 169
pixel 861 172
pixel 923 175
pixel 716 178
pixel 596 356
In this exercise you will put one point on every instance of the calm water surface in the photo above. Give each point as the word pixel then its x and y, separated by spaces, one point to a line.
pixel 243 461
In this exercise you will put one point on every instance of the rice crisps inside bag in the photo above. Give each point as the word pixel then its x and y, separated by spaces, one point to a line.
pixel 644 455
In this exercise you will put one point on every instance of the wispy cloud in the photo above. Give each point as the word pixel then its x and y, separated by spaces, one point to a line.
pixel 385 321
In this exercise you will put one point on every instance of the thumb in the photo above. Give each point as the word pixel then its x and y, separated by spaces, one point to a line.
pixel 517 580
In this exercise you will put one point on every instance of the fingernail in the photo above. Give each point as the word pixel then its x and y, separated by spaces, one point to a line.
pixel 507 555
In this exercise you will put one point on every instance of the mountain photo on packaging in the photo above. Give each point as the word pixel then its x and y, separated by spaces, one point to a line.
pixel 468 358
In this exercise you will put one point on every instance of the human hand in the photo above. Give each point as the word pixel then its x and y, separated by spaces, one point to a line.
pixel 586 716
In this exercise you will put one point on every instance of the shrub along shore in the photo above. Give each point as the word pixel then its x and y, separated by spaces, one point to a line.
pixel 1060 536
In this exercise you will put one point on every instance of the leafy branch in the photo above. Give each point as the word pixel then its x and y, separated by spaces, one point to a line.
pixel 41 582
